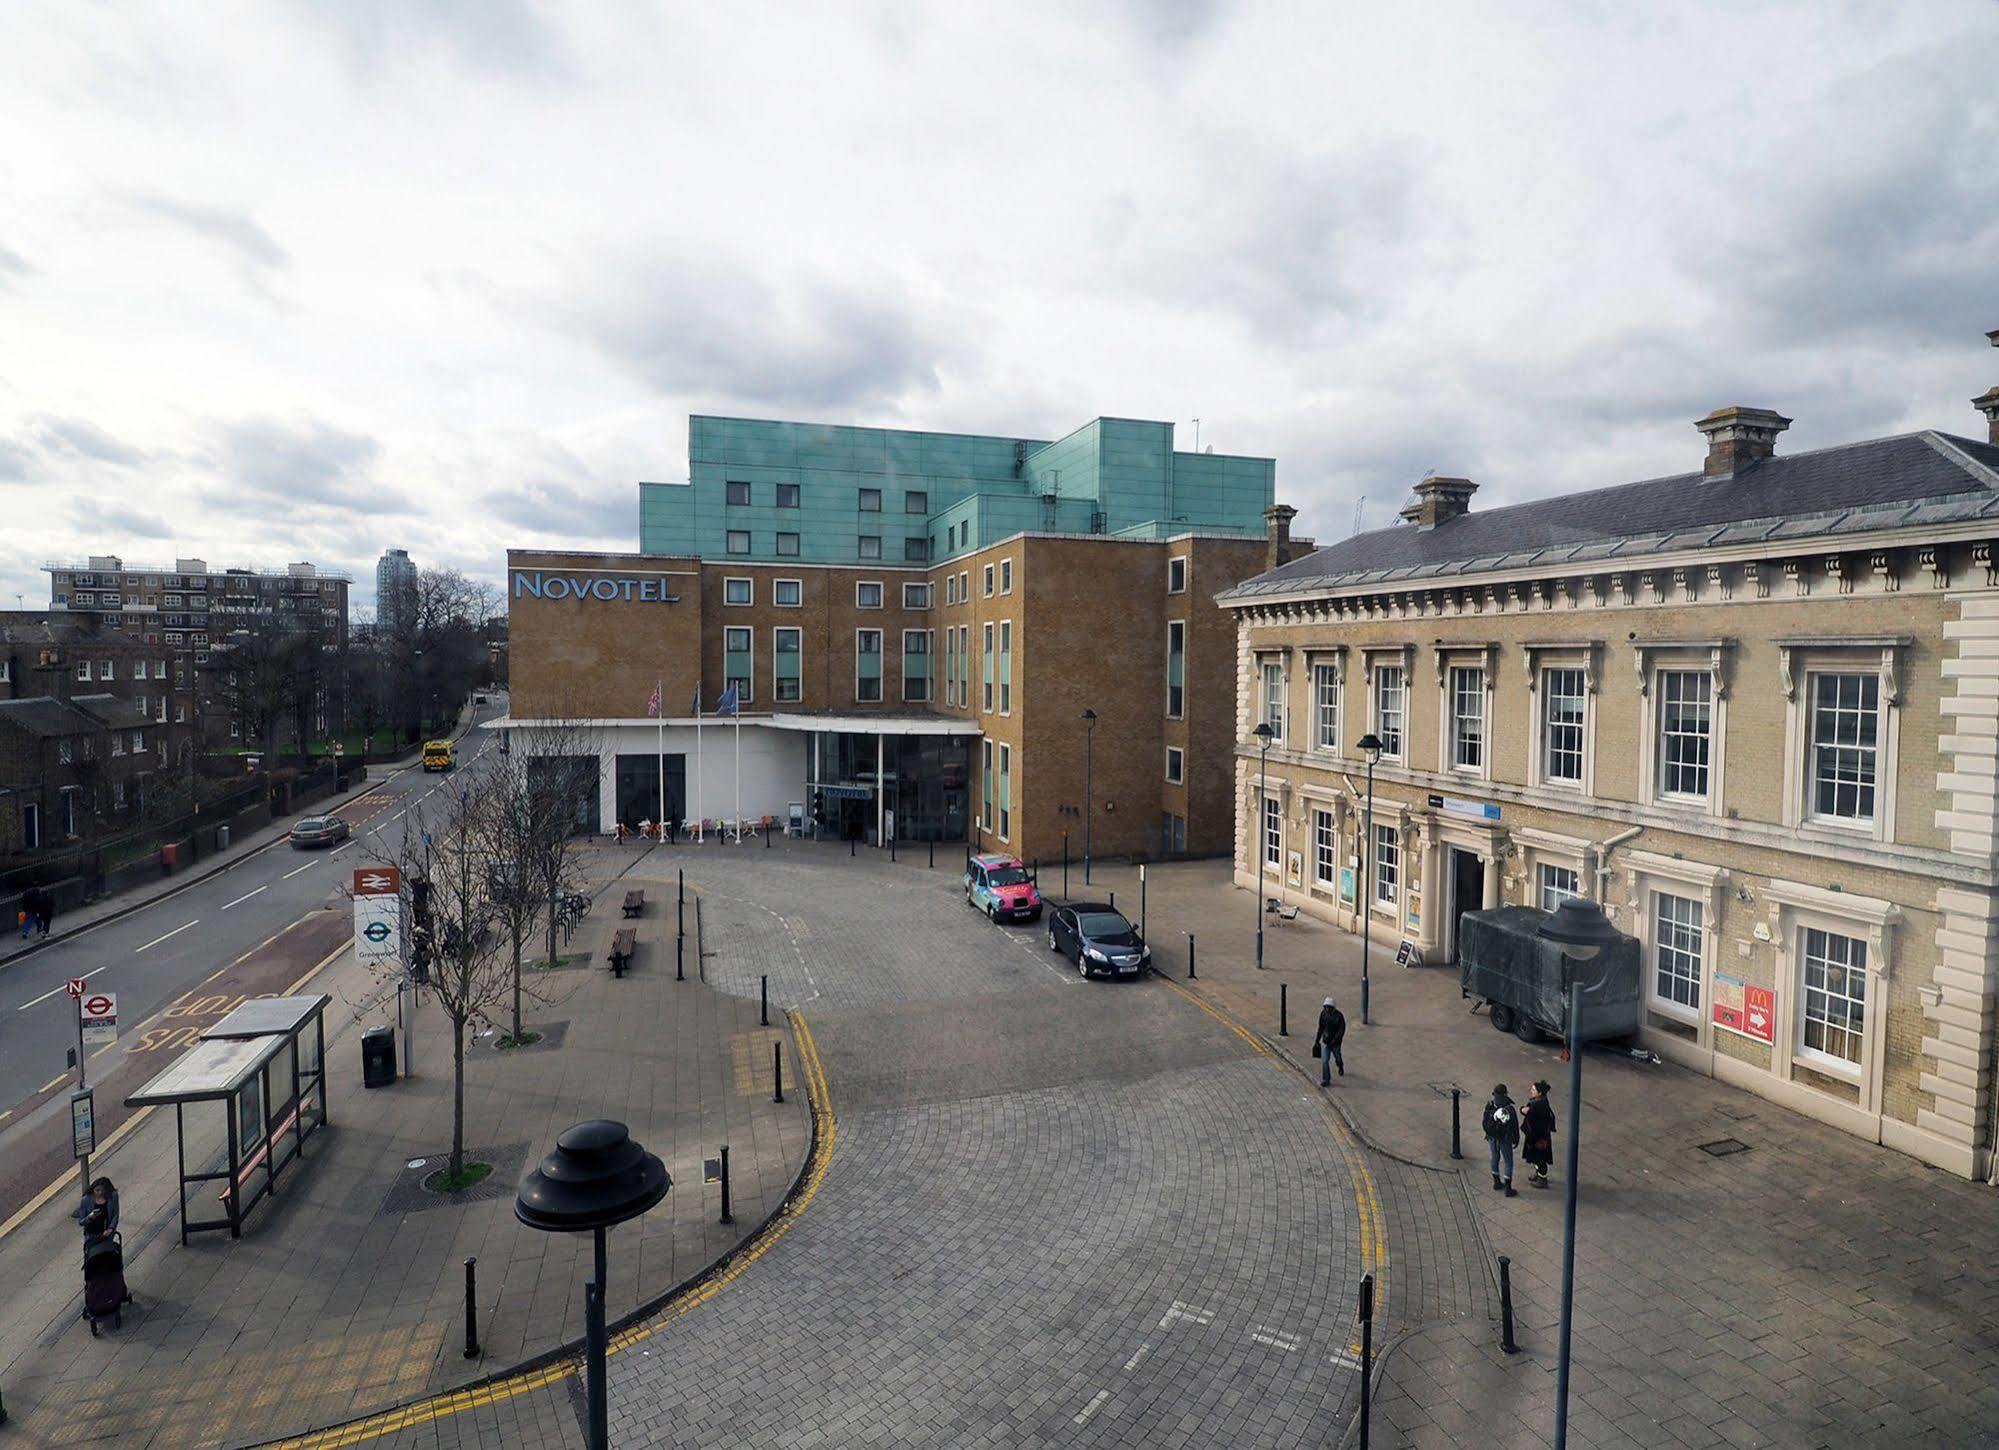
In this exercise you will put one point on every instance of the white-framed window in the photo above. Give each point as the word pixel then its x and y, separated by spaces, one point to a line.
pixel 870 501
pixel 916 596
pixel 1325 849
pixel 117 743
pixel 868 665
pixel 1176 765
pixel 118 795
pixel 1390 709
pixel 868 594
pixel 739 591
pixel 871 546
pixel 5 671
pixel 964 586
pixel 1564 699
pixel 787 593
pixel 1176 574
pixel 107 669
pixel 1273 699
pixel 787 644
pixel 83 669
pixel 916 664
pixel 1686 723
pixel 989 581
pixel 787 545
pixel 1005 790
pixel 986 647
pixel 1387 864
pixel 65 752
pixel 159 669
pixel 139 740
pixel 1832 1006
pixel 736 493
pixel 1006 576
pixel 738 541
pixel 1845 754
pixel 1466 684
pixel 950 588
pixel 1006 667
pixel 1679 942
pixel 986 784
pixel 1326 707
pixel 739 660
pixel 1176 668
pixel 1557 884
pixel 1273 834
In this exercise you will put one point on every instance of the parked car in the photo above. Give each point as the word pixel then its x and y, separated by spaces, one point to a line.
pixel 1097 939
pixel 310 831
pixel 1000 886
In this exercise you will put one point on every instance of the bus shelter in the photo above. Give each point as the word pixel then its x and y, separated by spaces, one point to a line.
pixel 245 1098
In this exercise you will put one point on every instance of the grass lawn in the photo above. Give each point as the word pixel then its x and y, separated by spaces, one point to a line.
pixel 445 1183
pixel 508 1040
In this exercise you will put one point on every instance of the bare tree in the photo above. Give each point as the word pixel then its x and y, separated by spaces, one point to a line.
pixel 509 826
pixel 559 773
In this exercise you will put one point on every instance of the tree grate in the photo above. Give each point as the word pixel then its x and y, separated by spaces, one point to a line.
pixel 1724 1147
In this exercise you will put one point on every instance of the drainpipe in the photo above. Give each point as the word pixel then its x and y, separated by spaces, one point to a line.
pixel 1601 850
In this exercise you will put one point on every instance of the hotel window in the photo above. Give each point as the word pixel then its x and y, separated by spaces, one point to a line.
pixel 950 666
pixel 1006 576
pixel 1467 717
pixel 1834 1001
pixel 868 595
pixel 1176 765
pixel 787 545
pixel 1389 709
pixel 738 660
pixel 787 495
pixel 1562 701
pixel 1006 667
pixel 986 784
pixel 786 657
pixel 1273 700
pixel 1325 849
pixel 1273 834
pixel 965 586
pixel 739 541
pixel 871 546
pixel 1685 720
pixel 916 664
pixel 1176 668
pixel 916 551
pixel 950 588
pixel 1558 884
pixel 1678 937
pixel 965 665
pixel 916 503
pixel 736 493
pixel 1846 733
pixel 988 581
pixel 916 596
pixel 986 641
pixel 871 500
pixel 868 666
pixel 1176 575
pixel 786 593
pixel 738 591
pixel 1005 791
pixel 1387 864
pixel 1326 706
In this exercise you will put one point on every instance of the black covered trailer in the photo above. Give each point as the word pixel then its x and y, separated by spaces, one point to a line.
pixel 1504 962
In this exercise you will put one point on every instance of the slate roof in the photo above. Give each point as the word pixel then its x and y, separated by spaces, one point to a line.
pixel 1908 480
pixel 46 717
pixel 112 711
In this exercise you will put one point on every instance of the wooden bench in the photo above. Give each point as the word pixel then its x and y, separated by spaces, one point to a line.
pixel 1279 910
pixel 635 902
pixel 623 944
pixel 256 1160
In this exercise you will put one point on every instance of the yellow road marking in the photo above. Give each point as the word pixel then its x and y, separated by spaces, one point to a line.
pixel 103 1151
pixel 51 1082
pixel 441 1407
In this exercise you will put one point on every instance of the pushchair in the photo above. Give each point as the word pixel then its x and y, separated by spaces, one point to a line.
pixel 104 1293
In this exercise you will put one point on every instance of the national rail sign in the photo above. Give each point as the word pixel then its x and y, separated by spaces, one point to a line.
pixel 378 916
pixel 378 881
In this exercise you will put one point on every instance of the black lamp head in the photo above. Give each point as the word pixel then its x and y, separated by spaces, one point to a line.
pixel 596 1176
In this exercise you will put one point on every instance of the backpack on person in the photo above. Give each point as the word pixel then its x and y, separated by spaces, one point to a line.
pixel 1501 1121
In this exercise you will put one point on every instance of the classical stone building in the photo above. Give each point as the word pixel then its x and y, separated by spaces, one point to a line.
pixel 1752 708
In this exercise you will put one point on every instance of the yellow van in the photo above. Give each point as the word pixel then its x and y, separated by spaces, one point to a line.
pixel 437 755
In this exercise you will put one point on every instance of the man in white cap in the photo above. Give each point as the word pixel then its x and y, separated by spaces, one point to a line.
pixel 1326 1046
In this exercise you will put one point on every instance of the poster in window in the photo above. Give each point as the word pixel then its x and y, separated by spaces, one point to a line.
pixel 1294 869
pixel 1346 886
pixel 1745 1010
pixel 1412 913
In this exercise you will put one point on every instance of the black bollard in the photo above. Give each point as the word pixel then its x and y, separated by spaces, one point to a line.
pixel 700 955
pixel 933 853
pixel 471 1309
pixel 777 1069
pixel 1190 956
pixel 766 838
pixel 1141 903
pixel 763 993
pixel 1283 1009
pixel 850 847
pixel 891 845
pixel 1113 901
pixel 1366 1353
pixel 1506 1306
pixel 1457 1149
pixel 727 1217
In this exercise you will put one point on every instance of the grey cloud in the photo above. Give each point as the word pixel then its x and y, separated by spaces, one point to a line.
pixel 237 232
pixel 13 267
pixel 300 464
pixel 17 461
pixel 599 512
pixel 509 38
pixel 108 521
pixel 79 438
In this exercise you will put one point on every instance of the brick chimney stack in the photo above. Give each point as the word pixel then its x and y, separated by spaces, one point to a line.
pixel 1438 501
pixel 1988 404
pixel 1737 437
pixel 1277 519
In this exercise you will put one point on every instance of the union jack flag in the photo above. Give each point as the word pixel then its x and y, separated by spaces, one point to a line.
pixel 652 705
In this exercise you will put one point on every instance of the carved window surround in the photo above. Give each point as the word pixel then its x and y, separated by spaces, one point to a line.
pixel 1582 651
pixel 1718 651
pixel 1890 646
pixel 1486 652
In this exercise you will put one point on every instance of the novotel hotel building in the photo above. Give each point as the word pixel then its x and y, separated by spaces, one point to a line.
pixel 913 626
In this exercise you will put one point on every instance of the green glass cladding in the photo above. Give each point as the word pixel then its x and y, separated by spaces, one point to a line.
pixel 825 494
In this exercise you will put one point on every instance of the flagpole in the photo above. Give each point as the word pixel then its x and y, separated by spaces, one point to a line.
pixel 739 773
pixel 659 740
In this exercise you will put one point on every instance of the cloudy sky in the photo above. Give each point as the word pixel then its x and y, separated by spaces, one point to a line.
pixel 307 280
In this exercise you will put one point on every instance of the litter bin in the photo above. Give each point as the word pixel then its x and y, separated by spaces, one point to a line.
pixel 221 838
pixel 170 855
pixel 378 1057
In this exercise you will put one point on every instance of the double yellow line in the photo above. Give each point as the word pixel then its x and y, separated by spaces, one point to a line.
pixel 507 1388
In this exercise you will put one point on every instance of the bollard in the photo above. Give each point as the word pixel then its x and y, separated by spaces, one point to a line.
pixel 1113 901
pixel 1190 956
pixel 471 1309
pixel 1506 1306
pixel 891 845
pixel 933 853
pixel 1457 1149
pixel 1366 1353
pixel 766 838
pixel 700 956
pixel 1141 902
pixel 763 993
pixel 727 1217
pixel 679 962
pixel 777 1067
pixel 1283 1009
pixel 850 848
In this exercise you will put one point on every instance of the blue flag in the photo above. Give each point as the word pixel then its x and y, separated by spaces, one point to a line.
pixel 726 705
pixel 697 702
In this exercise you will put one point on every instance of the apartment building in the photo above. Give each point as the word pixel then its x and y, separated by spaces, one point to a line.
pixel 1751 708
pixel 912 626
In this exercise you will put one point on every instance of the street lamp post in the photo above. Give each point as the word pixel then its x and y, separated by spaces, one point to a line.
pixel 1089 808
pixel 1581 929
pixel 1370 746
pixel 596 1177
pixel 1263 734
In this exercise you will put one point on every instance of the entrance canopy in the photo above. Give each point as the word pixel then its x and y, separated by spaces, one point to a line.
pixel 877 724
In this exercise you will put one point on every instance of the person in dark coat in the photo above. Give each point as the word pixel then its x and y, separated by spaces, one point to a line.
pixel 45 910
pixel 1502 1135
pixel 98 1213
pixel 1326 1046
pixel 1537 1130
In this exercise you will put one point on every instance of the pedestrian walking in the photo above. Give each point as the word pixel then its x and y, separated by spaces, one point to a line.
pixel 621 833
pixel 30 914
pixel 45 910
pixel 1502 1135
pixel 98 1213
pixel 673 829
pixel 1537 1129
pixel 1326 1046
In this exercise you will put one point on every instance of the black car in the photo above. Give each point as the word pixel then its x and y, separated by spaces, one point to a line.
pixel 1097 938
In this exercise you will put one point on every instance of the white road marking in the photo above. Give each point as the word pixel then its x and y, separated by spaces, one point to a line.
pixel 50 993
pixel 158 939
pixel 1143 1350
pixel 341 847
pixel 245 896
pixel 306 867
pixel 1275 1338
pixel 1192 1313
pixel 1344 1360
pixel 1083 1418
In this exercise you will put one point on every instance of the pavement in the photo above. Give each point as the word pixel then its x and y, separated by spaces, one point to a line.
pixel 346 1292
